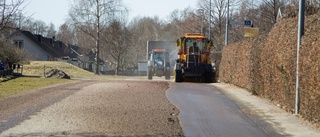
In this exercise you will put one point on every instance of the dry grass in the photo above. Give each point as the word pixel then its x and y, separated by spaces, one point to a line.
pixel 37 68
pixel 34 77
pixel 21 84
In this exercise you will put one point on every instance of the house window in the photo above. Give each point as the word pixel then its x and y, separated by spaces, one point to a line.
pixel 19 44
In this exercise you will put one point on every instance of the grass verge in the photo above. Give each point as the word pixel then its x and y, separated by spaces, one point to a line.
pixel 21 84
pixel 37 68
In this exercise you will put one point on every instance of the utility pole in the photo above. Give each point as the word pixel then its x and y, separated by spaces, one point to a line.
pixel 202 23
pixel 210 21
pixel 98 38
pixel 300 34
pixel 201 12
pixel 227 24
pixel 252 4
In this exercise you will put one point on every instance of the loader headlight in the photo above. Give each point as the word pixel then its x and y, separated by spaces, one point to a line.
pixel 214 66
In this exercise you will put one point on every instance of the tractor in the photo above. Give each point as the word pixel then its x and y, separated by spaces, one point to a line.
pixel 158 64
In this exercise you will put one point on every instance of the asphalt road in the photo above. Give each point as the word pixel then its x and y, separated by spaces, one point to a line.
pixel 138 107
pixel 206 112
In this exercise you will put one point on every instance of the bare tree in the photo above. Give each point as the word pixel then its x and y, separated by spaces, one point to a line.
pixel 92 17
pixel 181 22
pixel 8 9
pixel 51 31
pixel 312 7
pixel 292 7
pixel 270 8
pixel 218 17
pixel 65 34
pixel 117 38
pixel 143 30
pixel 39 27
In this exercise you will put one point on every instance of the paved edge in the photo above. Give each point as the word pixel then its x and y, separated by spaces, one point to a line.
pixel 259 108
pixel 172 103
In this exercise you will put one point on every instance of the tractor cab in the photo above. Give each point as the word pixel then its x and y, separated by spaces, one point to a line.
pixel 159 63
pixel 158 56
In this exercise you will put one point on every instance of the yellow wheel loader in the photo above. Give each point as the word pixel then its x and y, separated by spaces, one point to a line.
pixel 193 62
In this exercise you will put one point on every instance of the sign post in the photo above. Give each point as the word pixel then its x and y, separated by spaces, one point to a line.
pixel 300 33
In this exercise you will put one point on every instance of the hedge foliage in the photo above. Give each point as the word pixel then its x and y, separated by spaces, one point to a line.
pixel 266 66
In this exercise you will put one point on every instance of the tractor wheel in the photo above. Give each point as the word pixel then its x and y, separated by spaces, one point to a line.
pixel 149 73
pixel 167 75
pixel 178 76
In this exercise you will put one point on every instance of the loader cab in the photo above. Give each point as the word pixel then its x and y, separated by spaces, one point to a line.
pixel 191 42
pixel 194 45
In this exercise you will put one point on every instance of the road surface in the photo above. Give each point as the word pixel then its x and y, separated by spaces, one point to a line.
pixel 206 112
pixel 92 108
pixel 139 107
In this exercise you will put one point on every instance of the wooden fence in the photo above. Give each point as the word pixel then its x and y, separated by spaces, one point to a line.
pixel 16 70
pixel 6 73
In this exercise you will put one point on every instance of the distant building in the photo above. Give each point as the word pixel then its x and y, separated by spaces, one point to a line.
pixel 48 49
pixel 34 45
pixel 143 65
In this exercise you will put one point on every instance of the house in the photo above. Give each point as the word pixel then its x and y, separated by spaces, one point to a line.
pixel 48 49
pixel 37 46
pixel 88 62
pixel 44 49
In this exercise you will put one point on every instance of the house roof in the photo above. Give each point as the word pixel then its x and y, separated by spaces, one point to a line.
pixel 74 52
pixel 51 44
pixel 37 39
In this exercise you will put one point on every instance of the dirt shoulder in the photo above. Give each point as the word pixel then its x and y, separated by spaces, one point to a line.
pixel 104 108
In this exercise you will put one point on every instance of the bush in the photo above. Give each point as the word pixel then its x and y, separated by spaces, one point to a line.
pixel 10 54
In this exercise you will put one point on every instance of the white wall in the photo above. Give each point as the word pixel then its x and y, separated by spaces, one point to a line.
pixel 36 52
pixel 143 66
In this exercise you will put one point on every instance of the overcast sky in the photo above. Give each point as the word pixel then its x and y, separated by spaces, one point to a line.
pixel 56 11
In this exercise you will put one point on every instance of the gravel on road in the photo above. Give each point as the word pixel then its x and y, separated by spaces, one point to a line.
pixel 101 108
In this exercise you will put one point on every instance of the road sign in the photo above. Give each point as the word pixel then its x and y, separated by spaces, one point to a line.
pixel 236 22
pixel 248 22
pixel 251 32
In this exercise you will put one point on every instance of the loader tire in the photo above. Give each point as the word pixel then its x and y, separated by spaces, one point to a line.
pixel 208 74
pixel 214 79
pixel 178 76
